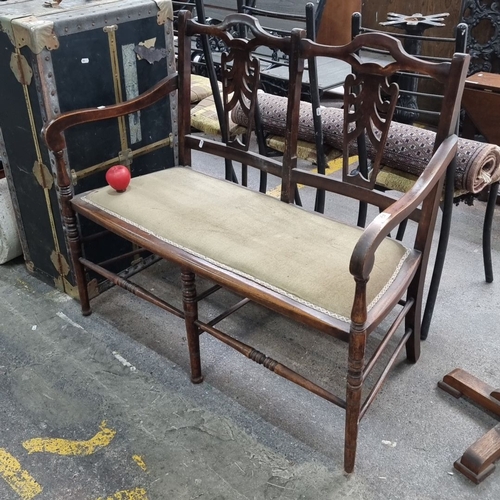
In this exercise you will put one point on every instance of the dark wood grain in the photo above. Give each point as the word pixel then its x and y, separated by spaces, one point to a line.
pixel 477 463
pixel 473 388
pixel 335 24
pixel 481 101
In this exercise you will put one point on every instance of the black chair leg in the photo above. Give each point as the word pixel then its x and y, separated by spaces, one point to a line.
pixel 297 199
pixel 261 143
pixel 363 169
pixel 319 204
pixel 230 174
pixel 488 223
pixel 244 175
pixel 441 251
pixel 401 230
pixel 362 213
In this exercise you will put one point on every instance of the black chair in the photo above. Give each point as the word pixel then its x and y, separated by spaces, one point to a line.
pixel 482 19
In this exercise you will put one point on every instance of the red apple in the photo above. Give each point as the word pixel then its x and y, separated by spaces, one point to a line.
pixel 118 177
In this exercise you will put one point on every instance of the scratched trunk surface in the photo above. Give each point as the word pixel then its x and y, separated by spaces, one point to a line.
pixel 79 54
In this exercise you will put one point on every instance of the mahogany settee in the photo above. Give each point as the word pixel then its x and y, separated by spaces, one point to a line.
pixel 329 275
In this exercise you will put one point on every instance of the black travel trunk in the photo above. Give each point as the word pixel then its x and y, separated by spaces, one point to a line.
pixel 57 58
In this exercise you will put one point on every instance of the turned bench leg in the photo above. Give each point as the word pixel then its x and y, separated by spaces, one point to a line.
pixel 357 345
pixel 75 245
pixel 190 306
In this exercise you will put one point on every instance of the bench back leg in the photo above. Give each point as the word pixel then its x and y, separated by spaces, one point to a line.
pixel 190 305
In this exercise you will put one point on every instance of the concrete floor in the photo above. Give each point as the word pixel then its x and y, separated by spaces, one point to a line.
pixel 112 393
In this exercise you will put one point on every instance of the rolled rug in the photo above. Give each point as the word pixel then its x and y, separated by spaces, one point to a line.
pixel 408 148
pixel 10 246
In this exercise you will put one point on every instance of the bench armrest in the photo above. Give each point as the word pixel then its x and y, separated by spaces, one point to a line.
pixel 363 256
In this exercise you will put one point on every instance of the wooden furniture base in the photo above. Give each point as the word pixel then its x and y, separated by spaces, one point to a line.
pixel 477 463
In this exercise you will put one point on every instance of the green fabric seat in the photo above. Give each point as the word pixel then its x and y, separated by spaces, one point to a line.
pixel 299 254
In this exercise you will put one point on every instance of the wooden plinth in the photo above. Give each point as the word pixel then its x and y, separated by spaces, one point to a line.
pixel 477 463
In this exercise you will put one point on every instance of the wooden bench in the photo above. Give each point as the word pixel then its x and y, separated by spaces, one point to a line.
pixel 338 278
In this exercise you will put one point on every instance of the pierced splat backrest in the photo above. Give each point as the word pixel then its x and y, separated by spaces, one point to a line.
pixel 369 103
pixel 370 99
pixel 241 35
pixel 240 72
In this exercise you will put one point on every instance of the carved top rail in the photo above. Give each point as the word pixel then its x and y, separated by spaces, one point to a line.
pixel 370 97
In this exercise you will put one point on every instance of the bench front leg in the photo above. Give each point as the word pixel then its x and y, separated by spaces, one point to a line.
pixel 190 306
pixel 72 233
pixel 357 346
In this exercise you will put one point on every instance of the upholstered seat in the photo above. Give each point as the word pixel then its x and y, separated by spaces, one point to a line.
pixel 305 150
pixel 397 180
pixel 204 118
pixel 200 88
pixel 295 253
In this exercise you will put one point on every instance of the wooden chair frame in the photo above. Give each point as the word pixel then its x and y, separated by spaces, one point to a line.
pixel 419 204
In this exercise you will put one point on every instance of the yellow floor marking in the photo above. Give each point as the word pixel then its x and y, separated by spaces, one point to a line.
pixel 67 447
pixel 140 462
pixel 275 192
pixel 17 478
pixel 135 494
pixel 332 167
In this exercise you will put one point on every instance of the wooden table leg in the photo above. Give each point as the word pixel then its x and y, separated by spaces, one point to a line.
pixel 477 462
pixel 461 383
